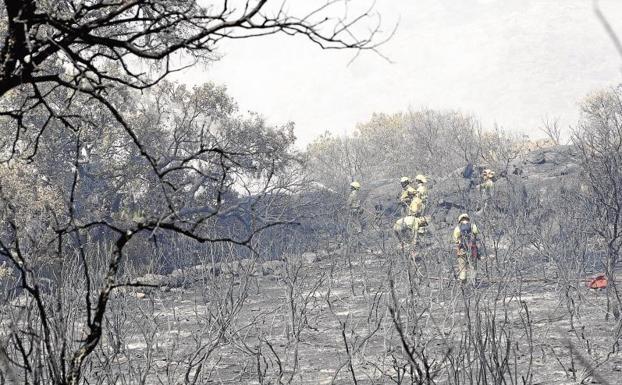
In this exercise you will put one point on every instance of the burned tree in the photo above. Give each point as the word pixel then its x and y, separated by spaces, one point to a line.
pixel 599 139
pixel 107 164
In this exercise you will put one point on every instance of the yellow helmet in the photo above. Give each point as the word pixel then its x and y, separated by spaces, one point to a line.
pixel 421 178
pixel 463 216
pixel 404 179
pixel 355 185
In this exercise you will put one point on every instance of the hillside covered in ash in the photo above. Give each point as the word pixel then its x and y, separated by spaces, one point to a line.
pixel 275 266
pixel 362 308
pixel 153 231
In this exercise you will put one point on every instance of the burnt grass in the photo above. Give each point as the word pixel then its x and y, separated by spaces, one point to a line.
pixel 362 316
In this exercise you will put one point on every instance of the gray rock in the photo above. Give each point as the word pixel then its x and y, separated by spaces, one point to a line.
pixel 222 268
pixel 310 257
pixel 248 266
pixel 272 268
pixel 537 158
pixel 236 268
pixel 177 273
pixel 153 279
pixel 178 281
pixel 21 301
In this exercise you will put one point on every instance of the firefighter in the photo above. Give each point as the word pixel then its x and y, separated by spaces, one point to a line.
pixel 417 205
pixel 409 231
pixel 407 195
pixel 409 228
pixel 355 207
pixel 465 237
pixel 354 201
pixel 488 184
pixel 422 190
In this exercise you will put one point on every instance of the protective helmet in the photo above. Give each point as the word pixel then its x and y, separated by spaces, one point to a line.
pixel 421 178
pixel 463 216
pixel 404 179
pixel 355 185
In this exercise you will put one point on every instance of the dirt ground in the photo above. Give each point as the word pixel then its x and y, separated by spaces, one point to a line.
pixel 353 317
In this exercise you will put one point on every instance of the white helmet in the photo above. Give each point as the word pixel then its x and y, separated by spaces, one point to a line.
pixel 421 178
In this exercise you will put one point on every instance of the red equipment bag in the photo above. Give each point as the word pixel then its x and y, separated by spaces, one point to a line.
pixel 474 251
pixel 598 282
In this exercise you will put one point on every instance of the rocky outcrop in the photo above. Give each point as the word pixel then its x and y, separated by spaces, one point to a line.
pixel 541 171
pixel 545 168
pixel 186 277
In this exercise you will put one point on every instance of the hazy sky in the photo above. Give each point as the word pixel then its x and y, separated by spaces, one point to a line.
pixel 512 62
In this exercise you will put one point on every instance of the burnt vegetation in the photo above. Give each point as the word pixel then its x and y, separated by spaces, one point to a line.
pixel 151 233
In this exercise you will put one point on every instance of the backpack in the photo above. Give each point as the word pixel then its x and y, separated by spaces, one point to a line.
pixel 467 239
pixel 467 173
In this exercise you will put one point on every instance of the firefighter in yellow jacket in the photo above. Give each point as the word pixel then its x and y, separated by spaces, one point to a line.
pixel 356 208
pixel 417 205
pixel 488 183
pixel 409 231
pixel 354 201
pixel 465 238
pixel 409 228
pixel 422 190
pixel 407 195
